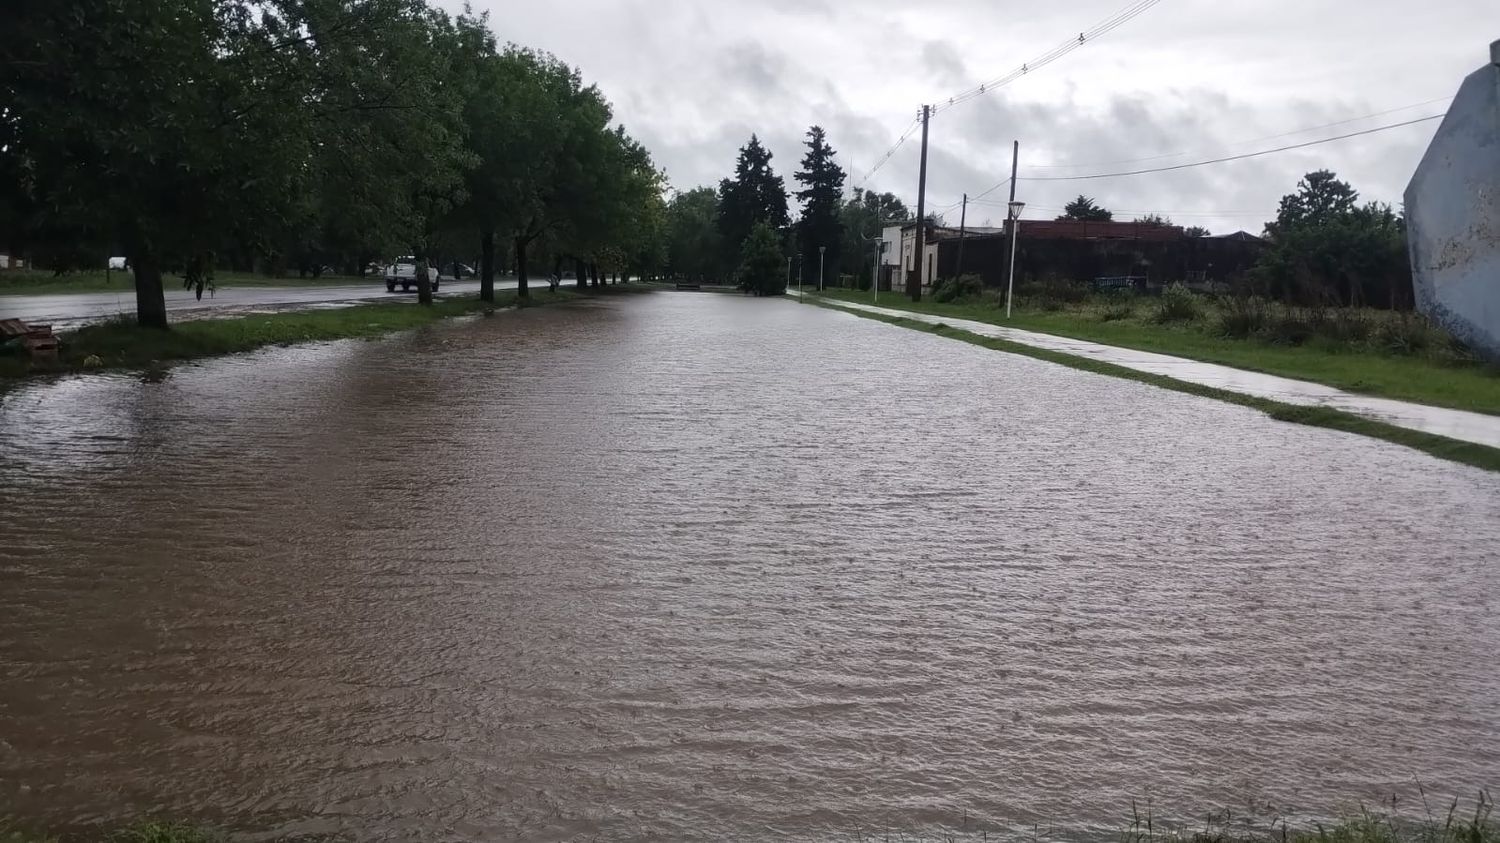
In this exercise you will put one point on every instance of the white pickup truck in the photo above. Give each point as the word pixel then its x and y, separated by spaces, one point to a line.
pixel 404 273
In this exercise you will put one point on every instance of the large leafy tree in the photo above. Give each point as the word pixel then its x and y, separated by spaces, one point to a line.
pixel 864 216
pixel 822 180
pixel 1087 210
pixel 163 126
pixel 173 129
pixel 694 243
pixel 387 78
pixel 1326 248
pixel 755 195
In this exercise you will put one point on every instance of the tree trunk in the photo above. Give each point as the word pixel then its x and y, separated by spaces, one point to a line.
pixel 487 266
pixel 521 279
pixel 582 271
pixel 424 283
pixel 150 298
pixel 594 273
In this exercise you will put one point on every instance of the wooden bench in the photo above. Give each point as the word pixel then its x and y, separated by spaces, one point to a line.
pixel 38 340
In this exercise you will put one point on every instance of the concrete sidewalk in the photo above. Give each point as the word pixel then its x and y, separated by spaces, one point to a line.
pixel 1477 428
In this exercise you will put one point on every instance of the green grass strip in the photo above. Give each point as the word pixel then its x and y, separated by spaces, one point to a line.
pixel 121 344
pixel 1442 447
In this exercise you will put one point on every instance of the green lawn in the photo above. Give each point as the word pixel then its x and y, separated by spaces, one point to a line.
pixel 28 282
pixel 121 344
pixel 1434 377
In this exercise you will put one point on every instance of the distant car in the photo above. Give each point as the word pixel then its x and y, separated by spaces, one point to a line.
pixel 404 273
pixel 118 263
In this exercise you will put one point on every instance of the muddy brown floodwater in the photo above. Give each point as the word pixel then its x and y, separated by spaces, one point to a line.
pixel 693 566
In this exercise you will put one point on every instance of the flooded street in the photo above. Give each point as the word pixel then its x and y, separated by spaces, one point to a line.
pixel 695 567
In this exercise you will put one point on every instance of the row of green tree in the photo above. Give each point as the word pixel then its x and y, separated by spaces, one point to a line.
pixel 742 231
pixel 189 134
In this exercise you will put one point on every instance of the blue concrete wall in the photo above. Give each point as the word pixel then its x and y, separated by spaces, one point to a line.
pixel 1453 216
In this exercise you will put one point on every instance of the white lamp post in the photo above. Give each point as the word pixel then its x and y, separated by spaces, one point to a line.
pixel 1015 226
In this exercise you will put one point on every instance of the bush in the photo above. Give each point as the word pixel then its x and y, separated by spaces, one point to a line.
pixel 1118 307
pixel 1289 327
pixel 1407 334
pixel 1341 324
pixel 963 288
pixel 1242 318
pixel 1052 293
pixel 1178 304
pixel 761 264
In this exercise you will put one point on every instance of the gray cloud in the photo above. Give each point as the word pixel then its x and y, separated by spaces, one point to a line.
pixel 694 79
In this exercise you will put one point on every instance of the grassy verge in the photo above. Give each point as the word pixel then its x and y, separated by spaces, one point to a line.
pixel 1365 827
pixel 121 344
pixel 28 282
pixel 1432 377
pixel 1442 447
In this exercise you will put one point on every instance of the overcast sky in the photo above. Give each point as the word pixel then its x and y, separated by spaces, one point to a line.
pixel 692 79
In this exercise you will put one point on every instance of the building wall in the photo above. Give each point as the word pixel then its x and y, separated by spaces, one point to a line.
pixel 891 236
pixel 1161 262
pixel 1453 216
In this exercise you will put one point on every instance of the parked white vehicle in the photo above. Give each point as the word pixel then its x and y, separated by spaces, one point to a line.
pixel 404 273
pixel 118 263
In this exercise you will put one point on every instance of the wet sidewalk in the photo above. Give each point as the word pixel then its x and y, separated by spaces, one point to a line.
pixel 1454 424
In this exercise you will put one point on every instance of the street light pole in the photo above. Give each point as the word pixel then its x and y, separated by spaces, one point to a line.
pixel 799 276
pixel 1015 226
pixel 822 259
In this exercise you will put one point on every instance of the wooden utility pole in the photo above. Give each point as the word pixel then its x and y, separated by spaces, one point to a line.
pixel 919 258
pixel 963 232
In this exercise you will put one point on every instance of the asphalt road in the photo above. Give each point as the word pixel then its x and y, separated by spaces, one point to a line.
pixel 69 310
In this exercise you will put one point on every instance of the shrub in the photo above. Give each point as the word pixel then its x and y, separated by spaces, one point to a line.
pixel 963 288
pixel 1118 307
pixel 1244 317
pixel 761 267
pixel 1178 304
pixel 1407 334
pixel 1289 327
pixel 1340 324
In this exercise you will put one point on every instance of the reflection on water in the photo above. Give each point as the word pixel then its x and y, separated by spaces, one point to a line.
pixel 691 566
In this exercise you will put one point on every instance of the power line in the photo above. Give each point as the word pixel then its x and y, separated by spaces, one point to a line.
pixel 1240 157
pixel 1247 142
pixel 1102 28
pixel 981 196
pixel 901 141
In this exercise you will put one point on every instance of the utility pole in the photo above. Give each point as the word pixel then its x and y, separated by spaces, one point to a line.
pixel 919 259
pixel 1015 160
pixel 963 230
pixel 879 239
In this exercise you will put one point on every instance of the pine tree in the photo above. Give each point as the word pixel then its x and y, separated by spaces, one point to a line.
pixel 755 195
pixel 1086 209
pixel 822 194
